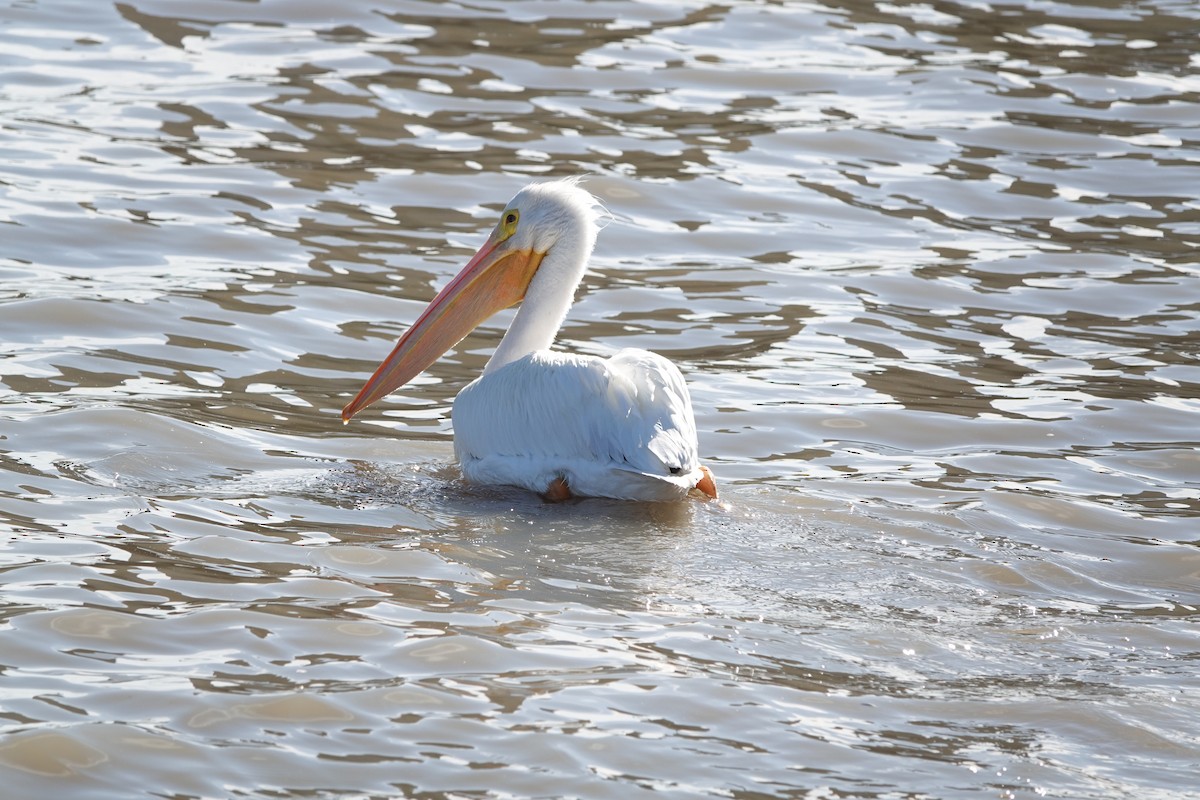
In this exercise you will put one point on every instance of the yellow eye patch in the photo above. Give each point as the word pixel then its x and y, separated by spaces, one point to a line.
pixel 508 223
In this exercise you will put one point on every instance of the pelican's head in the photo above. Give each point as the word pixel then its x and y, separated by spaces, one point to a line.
pixel 543 215
pixel 557 216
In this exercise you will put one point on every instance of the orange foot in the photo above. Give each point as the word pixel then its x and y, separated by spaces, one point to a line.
pixel 557 491
pixel 707 484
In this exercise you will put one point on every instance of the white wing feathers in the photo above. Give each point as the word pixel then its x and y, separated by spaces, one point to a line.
pixel 660 412
pixel 556 414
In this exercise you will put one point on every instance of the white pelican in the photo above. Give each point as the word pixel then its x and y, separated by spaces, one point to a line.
pixel 554 423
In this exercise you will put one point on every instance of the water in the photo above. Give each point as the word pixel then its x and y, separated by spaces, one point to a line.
pixel 930 270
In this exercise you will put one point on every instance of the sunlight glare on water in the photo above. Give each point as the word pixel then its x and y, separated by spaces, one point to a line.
pixel 929 269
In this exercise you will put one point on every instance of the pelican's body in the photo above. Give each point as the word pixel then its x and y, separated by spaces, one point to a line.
pixel 553 423
pixel 617 427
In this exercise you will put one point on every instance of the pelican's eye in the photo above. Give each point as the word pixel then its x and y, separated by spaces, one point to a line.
pixel 508 223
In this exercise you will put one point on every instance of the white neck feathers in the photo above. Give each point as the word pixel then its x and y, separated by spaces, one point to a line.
pixel 559 220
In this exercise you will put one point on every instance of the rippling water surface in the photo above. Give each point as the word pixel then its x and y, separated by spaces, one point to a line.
pixel 930 269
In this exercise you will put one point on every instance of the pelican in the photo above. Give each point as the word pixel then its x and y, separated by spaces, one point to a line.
pixel 555 423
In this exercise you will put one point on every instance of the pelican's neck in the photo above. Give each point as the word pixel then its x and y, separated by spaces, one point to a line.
pixel 549 296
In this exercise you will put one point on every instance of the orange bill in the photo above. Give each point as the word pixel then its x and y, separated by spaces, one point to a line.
pixel 494 279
